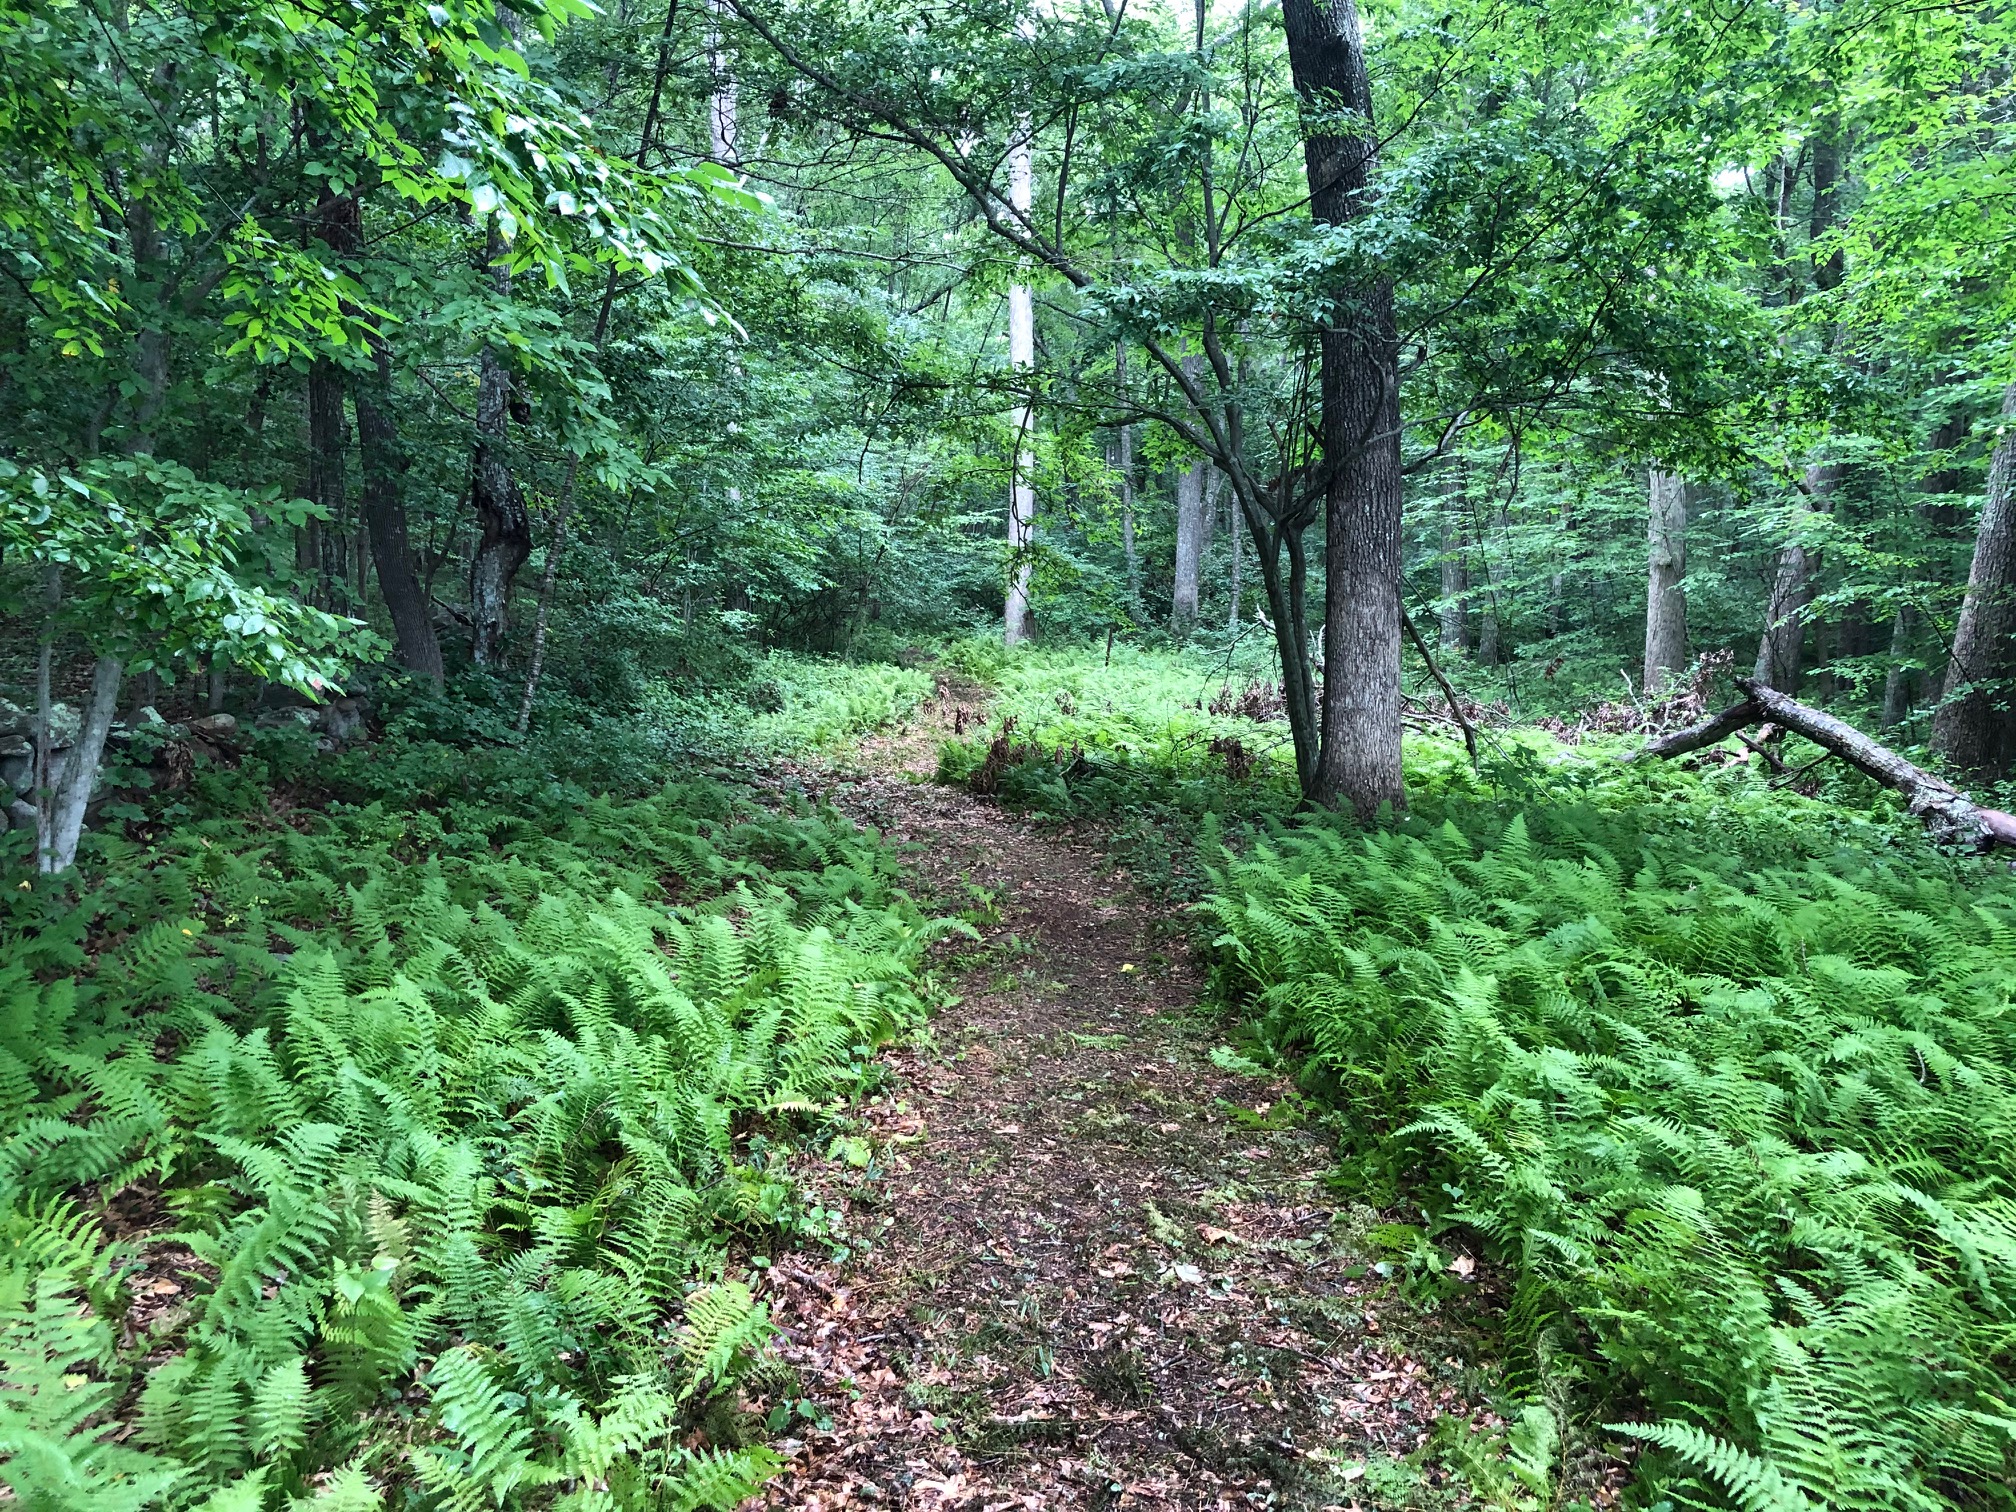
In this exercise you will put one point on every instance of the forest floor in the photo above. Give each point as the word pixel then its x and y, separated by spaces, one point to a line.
pixel 1086 1266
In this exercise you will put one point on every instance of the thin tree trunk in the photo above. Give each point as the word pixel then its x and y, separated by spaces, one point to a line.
pixel 1936 515
pixel 1972 728
pixel 56 848
pixel 1781 649
pixel 1124 452
pixel 1665 586
pixel 1190 511
pixel 385 521
pixel 1359 762
pixel 327 476
pixel 723 125
pixel 1016 625
pixel 1238 554
pixel 1452 615
pixel 506 539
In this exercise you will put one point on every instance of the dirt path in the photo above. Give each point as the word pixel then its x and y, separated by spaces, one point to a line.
pixel 1088 1268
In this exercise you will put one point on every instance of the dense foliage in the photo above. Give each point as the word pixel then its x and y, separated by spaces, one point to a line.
pixel 1715 1082
pixel 439 1120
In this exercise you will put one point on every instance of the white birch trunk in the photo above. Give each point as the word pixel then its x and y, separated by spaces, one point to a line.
pixel 1022 361
pixel 722 124
pixel 56 846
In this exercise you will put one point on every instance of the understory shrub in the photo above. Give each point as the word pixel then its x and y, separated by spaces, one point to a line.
pixel 1735 1115
pixel 433 1123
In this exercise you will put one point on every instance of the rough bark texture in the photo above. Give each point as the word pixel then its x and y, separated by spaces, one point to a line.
pixel 1666 572
pixel 385 521
pixel 328 480
pixel 1359 760
pixel 1972 728
pixel 1190 523
pixel 1952 817
pixel 506 539
pixel 1017 625
pixel 1781 648
pixel 56 849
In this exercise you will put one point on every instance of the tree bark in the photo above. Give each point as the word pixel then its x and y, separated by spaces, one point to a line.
pixel 1951 816
pixel 1359 758
pixel 56 848
pixel 1665 588
pixel 506 539
pixel 1972 728
pixel 328 480
pixel 1123 450
pixel 385 520
pixel 1016 623
pixel 1452 615
pixel 1781 648
pixel 723 123
pixel 1190 518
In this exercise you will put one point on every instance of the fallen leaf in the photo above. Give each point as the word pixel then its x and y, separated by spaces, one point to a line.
pixel 1462 1266
pixel 1212 1235
pixel 1189 1275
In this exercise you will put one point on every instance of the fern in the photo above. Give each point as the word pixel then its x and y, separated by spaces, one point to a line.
pixel 455 1117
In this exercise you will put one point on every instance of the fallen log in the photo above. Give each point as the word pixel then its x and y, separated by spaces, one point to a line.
pixel 1949 814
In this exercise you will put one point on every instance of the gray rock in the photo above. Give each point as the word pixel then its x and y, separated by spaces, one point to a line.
pixel 214 727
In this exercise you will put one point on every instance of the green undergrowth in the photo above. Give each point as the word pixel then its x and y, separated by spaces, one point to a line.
pixel 818 704
pixel 1720 1083
pixel 434 1097
pixel 1150 743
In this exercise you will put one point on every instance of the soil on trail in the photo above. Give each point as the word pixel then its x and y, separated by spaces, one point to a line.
pixel 1087 1267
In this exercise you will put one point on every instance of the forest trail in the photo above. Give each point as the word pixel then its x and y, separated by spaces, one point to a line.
pixel 1085 1270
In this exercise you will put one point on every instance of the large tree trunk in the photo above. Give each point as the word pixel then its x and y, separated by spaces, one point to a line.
pixel 1022 359
pixel 385 521
pixel 1972 728
pixel 506 539
pixel 1359 761
pixel 1665 588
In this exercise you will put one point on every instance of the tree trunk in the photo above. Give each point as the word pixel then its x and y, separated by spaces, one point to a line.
pixel 1452 615
pixel 1897 680
pixel 723 125
pixel 1190 520
pixel 56 846
pixel 1972 728
pixel 1123 446
pixel 385 521
pixel 1022 360
pixel 1238 554
pixel 506 539
pixel 1665 587
pixel 327 475
pixel 1781 649
pixel 1359 760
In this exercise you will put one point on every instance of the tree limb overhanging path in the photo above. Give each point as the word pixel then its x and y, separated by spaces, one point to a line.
pixel 1087 1267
